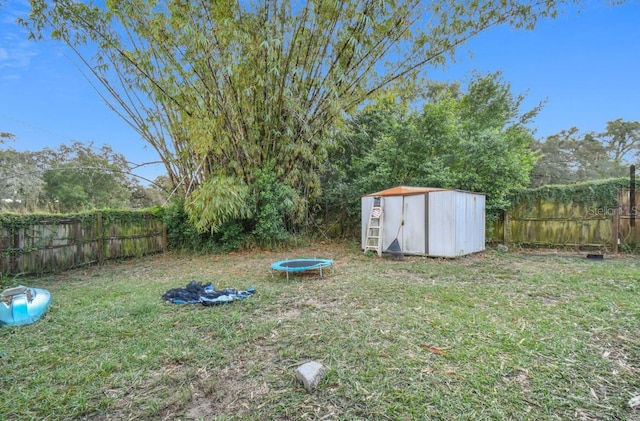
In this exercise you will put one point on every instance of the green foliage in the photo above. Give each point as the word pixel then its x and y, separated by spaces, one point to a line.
pixel 21 183
pixel 240 216
pixel 622 140
pixel 71 178
pixel 156 193
pixel 4 136
pixel 73 188
pixel 274 205
pixel 81 178
pixel 223 88
pixel 474 140
pixel 181 234
pixel 14 220
pixel 569 157
pixel 218 200
pixel 598 193
pixel 231 236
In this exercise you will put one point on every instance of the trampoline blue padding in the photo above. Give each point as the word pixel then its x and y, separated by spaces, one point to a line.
pixel 300 265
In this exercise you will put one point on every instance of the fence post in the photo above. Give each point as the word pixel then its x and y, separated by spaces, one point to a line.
pixel 505 228
pixel 632 195
pixel 165 239
pixel 100 237
pixel 615 227
pixel 15 246
pixel 1 258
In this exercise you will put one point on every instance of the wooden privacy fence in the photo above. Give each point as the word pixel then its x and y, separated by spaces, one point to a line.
pixel 51 243
pixel 548 223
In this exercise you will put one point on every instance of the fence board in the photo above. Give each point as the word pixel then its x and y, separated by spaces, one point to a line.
pixel 55 244
pixel 571 225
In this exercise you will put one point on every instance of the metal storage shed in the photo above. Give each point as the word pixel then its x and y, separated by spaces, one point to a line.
pixel 424 221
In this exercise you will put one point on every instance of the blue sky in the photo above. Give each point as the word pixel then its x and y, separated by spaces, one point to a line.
pixel 586 66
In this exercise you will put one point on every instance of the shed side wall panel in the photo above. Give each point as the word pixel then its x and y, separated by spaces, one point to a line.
pixel 392 220
pixel 461 225
pixel 415 226
pixel 479 221
pixel 470 229
pixel 441 224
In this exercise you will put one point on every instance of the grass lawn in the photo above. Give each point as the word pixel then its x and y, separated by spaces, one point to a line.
pixel 518 335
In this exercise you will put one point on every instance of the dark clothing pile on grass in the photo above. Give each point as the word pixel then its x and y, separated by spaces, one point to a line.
pixel 196 292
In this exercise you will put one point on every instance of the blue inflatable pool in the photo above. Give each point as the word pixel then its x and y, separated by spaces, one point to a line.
pixel 23 305
pixel 300 265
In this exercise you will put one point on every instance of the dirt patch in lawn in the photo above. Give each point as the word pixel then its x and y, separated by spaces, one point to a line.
pixel 230 393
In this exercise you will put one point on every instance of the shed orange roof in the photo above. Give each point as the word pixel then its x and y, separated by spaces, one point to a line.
pixel 405 191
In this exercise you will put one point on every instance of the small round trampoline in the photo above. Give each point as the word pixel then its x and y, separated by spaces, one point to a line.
pixel 300 265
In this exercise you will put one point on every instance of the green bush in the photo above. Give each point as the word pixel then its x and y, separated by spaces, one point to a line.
pixel 181 234
pixel 270 206
pixel 274 204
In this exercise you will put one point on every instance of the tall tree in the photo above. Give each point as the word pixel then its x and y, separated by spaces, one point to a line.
pixel 474 140
pixel 622 140
pixel 556 164
pixel 21 183
pixel 4 136
pixel 571 156
pixel 79 177
pixel 155 193
pixel 225 90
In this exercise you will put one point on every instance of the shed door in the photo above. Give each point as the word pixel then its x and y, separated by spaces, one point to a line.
pixel 414 228
pixel 442 216
pixel 392 216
